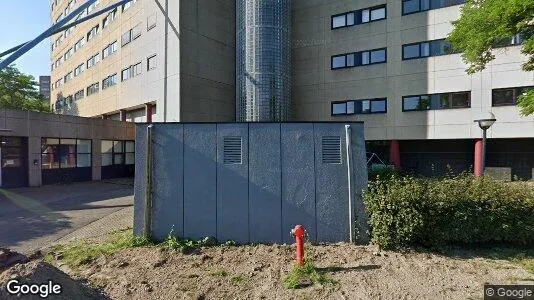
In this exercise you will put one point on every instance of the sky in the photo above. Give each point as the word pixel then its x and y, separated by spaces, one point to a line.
pixel 21 21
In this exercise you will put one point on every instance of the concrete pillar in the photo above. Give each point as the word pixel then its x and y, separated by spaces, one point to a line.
pixel 148 112
pixel 122 114
pixel 34 161
pixel 477 168
pixel 97 159
pixel 394 154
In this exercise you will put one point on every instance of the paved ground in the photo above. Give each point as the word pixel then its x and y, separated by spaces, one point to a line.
pixel 34 218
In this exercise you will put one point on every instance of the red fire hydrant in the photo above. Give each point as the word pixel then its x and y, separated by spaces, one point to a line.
pixel 299 233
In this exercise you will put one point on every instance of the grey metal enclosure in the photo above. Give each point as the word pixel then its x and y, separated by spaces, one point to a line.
pixel 251 182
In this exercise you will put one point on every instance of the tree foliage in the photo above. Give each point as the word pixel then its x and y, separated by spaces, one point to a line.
pixel 486 23
pixel 18 91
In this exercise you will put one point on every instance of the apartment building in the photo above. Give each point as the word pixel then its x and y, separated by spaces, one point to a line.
pixel 384 62
pixel 155 61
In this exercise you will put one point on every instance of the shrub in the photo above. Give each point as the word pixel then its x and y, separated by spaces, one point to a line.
pixel 408 211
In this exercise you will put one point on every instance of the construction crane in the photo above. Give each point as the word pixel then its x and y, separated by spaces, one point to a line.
pixel 60 26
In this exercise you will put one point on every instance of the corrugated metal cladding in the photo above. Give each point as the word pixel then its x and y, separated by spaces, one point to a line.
pixel 263 60
pixel 251 182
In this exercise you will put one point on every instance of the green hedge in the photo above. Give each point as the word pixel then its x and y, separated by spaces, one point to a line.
pixel 407 211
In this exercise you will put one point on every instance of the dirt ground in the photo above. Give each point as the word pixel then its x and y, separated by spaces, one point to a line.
pixel 256 272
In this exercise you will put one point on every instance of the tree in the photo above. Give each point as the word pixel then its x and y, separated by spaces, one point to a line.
pixel 18 91
pixel 484 24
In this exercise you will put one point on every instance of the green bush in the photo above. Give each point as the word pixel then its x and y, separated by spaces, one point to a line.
pixel 408 211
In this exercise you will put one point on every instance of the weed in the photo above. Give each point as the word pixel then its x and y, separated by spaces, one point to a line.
pixel 84 252
pixel 219 273
pixel 229 243
pixel 305 272
pixel 237 279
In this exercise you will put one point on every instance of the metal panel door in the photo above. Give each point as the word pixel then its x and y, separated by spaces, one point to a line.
pixel 14 162
pixel 331 183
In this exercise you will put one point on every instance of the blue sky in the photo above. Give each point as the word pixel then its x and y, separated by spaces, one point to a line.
pixel 21 21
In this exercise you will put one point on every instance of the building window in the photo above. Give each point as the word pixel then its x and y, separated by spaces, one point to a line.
pixel 436 101
pixel 79 95
pixel 415 6
pixel 515 40
pixel 136 31
pixel 59 82
pixel 357 59
pixel 68 31
pixel 93 60
pixel 65 153
pixel 68 54
pixel 126 38
pixel 109 18
pixel 151 22
pixel 68 77
pixel 79 44
pixel 92 33
pixel 508 96
pixel 131 71
pixel 357 17
pixel 109 81
pixel 118 153
pixel 426 49
pixel 151 62
pixel 93 6
pixel 364 106
pixel 126 6
pixel 79 70
pixel 93 89
pixel 110 49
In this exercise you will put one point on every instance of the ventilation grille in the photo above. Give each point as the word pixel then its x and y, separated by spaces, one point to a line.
pixel 232 150
pixel 331 149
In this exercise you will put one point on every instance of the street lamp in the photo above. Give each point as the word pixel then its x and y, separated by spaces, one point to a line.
pixel 485 123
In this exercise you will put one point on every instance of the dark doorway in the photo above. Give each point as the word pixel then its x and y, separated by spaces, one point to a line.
pixel 14 162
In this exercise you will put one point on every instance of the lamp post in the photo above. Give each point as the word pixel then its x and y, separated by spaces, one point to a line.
pixel 485 123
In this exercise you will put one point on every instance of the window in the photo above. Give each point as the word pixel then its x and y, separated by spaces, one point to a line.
pixel 93 89
pixel 118 153
pixel 111 80
pixel 437 101
pixel 126 6
pixel 359 17
pixel 93 6
pixel 364 106
pixel 515 40
pixel 68 31
pixel 151 22
pixel 136 31
pixel 93 60
pixel 151 62
pixel 58 62
pixel 65 153
pixel 92 33
pixel 79 70
pixel 110 49
pixel 79 95
pixel 126 38
pixel 508 96
pixel 131 71
pixel 109 18
pixel 359 59
pixel 79 44
pixel 59 82
pixel 68 54
pixel 426 49
pixel 415 6
pixel 68 77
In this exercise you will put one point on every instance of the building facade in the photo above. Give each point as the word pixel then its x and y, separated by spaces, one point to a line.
pixel 384 62
pixel 161 61
pixel 44 87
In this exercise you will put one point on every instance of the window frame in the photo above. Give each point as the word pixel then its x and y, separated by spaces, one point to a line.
pixel 358 61
pixel 515 94
pixel 430 6
pixel 431 44
pixel 371 112
pixel 57 153
pixel 358 16
pixel 148 63
pixel 436 104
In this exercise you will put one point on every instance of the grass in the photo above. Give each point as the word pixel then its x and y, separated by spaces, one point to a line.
pixel 306 272
pixel 236 279
pixel 84 252
pixel 219 273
